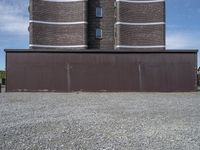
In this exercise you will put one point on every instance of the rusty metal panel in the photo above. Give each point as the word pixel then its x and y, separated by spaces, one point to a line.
pixel 103 71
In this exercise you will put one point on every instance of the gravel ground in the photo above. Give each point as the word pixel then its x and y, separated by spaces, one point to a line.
pixel 97 121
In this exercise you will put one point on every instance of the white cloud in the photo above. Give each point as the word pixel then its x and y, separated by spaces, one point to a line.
pixel 13 19
pixel 183 40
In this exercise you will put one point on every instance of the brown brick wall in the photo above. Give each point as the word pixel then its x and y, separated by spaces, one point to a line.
pixel 58 35
pixel 85 34
pixel 58 11
pixel 137 12
pixel 140 35
pixel 106 23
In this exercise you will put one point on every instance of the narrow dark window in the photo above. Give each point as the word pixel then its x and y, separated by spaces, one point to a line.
pixel 99 12
pixel 99 33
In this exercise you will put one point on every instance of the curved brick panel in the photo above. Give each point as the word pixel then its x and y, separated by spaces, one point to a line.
pixel 149 35
pixel 140 24
pixel 43 34
pixel 58 11
pixel 58 24
pixel 141 12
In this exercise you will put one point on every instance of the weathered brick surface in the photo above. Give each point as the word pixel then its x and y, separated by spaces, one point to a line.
pixel 85 34
pixel 140 12
pixel 106 23
pixel 58 34
pixel 141 35
pixel 58 12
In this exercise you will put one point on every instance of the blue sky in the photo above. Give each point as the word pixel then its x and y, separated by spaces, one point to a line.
pixel 183 25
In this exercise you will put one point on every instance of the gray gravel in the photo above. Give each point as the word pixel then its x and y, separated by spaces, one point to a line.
pixel 91 121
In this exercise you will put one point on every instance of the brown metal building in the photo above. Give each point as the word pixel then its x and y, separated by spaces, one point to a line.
pixel 99 45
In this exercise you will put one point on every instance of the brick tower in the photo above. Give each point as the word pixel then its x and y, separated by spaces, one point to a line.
pixel 97 24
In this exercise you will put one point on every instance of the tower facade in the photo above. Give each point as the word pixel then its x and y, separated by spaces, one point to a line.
pixel 101 22
pixel 97 24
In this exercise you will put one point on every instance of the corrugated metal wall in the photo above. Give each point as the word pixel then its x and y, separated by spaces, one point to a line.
pixel 110 71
